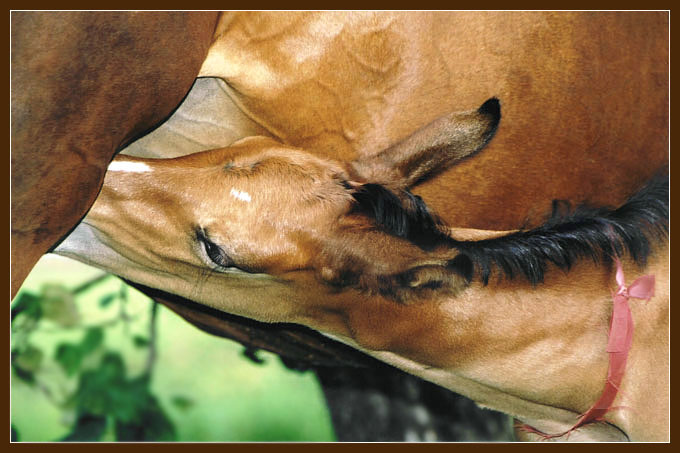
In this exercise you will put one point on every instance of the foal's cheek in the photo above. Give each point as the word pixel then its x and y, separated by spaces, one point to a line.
pixel 270 251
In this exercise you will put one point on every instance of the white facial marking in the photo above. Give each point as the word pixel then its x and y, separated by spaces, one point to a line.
pixel 240 195
pixel 131 167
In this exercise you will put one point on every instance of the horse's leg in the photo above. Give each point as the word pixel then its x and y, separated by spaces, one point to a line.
pixel 85 84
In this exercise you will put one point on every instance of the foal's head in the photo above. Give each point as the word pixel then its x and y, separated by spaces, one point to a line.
pixel 262 207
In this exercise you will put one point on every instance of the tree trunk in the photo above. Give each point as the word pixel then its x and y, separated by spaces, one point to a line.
pixel 384 404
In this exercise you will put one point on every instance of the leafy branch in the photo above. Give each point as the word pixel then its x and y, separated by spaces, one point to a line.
pixel 106 399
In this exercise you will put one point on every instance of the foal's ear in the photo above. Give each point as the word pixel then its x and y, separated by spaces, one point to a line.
pixel 399 275
pixel 432 148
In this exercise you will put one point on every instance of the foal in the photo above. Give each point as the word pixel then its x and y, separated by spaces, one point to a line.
pixel 277 234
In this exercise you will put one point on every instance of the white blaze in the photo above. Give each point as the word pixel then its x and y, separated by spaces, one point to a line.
pixel 131 167
pixel 240 195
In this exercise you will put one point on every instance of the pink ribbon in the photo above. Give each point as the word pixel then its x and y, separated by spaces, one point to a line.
pixel 618 346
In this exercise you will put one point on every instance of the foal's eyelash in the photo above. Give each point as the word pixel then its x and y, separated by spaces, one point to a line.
pixel 214 251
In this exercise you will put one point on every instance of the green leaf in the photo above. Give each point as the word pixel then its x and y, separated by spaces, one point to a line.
pixel 182 402
pixel 152 424
pixel 88 428
pixel 58 305
pixel 112 366
pixel 106 300
pixel 128 399
pixel 69 356
pixel 26 376
pixel 93 338
pixel 101 391
pixel 140 341
pixel 129 432
pixel 28 359
pixel 157 424
pixel 27 303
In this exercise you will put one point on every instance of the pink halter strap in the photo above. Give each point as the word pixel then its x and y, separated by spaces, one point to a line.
pixel 620 340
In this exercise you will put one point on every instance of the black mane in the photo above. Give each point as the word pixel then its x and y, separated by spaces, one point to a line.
pixel 403 215
pixel 599 234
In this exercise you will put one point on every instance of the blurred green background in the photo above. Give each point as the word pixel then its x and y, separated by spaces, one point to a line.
pixel 80 371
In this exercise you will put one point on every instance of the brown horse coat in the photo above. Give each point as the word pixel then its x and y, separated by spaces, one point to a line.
pixel 84 85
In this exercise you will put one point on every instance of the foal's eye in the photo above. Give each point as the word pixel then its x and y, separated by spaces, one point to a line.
pixel 214 251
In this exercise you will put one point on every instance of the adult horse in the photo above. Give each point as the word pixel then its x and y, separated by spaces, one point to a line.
pixel 585 97
pixel 582 93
